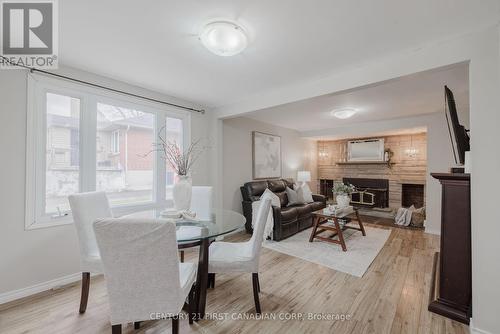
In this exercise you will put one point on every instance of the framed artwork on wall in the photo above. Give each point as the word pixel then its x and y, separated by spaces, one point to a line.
pixel 266 154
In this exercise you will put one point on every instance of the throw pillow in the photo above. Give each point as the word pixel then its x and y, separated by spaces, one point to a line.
pixel 293 197
pixel 305 193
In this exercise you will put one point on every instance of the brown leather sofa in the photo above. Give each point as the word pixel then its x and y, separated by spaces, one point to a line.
pixel 288 220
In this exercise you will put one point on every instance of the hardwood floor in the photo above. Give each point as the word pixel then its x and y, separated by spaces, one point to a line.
pixel 391 297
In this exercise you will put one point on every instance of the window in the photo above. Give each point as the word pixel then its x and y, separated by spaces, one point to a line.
pixel 127 177
pixel 62 172
pixel 85 139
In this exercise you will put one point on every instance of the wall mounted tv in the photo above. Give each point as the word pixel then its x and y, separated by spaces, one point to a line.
pixel 458 134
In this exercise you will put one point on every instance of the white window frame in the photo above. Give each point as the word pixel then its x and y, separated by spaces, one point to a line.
pixel 38 87
pixel 115 142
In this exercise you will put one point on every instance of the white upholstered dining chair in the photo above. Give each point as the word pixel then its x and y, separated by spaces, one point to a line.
pixel 241 257
pixel 202 202
pixel 144 278
pixel 86 208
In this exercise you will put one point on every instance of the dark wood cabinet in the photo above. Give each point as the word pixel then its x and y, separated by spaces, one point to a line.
pixel 451 288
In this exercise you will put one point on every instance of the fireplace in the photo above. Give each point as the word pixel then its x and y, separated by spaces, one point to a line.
pixel 370 192
pixel 412 194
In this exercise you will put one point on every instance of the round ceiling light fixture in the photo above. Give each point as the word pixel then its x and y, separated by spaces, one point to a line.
pixel 224 38
pixel 344 113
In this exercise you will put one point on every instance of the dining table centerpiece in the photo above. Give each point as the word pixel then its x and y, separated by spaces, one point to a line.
pixel 181 161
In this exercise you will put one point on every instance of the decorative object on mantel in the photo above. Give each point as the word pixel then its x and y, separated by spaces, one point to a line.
pixel 365 152
pixel 266 154
pixel 181 161
pixel 411 152
pixel 342 192
pixel 388 154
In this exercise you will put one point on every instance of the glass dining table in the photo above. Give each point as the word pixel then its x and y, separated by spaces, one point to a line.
pixel 199 233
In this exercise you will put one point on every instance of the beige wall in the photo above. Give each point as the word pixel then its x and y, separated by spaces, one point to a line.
pixel 297 154
pixel 405 169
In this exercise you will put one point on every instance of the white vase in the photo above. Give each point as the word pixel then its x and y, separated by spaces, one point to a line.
pixel 182 193
pixel 343 200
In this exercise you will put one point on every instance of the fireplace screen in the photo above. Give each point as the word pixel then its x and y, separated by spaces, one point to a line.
pixel 370 192
pixel 363 197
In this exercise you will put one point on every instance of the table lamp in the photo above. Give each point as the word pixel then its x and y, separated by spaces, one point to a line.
pixel 304 176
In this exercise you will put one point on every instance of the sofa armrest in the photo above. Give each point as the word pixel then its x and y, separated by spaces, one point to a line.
pixel 319 198
pixel 277 233
pixel 247 212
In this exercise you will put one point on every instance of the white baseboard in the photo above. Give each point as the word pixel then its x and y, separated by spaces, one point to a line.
pixel 474 330
pixel 37 288
pixel 435 232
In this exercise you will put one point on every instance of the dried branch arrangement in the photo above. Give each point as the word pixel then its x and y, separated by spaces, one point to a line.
pixel 181 161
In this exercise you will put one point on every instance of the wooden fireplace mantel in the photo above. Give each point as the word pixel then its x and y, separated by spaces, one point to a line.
pixel 388 163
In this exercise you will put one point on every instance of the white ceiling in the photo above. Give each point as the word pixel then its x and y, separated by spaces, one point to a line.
pixel 412 95
pixel 154 43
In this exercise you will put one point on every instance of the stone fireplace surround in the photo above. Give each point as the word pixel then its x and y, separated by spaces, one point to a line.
pixel 410 170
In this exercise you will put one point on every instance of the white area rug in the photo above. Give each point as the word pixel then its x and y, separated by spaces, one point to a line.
pixel 361 251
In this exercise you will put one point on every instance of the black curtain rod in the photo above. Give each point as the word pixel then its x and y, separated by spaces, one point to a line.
pixel 32 69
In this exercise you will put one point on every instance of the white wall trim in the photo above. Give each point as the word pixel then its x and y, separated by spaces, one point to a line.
pixel 37 288
pixel 474 330
pixel 432 231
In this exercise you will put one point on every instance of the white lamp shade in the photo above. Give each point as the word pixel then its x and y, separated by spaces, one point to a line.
pixel 304 176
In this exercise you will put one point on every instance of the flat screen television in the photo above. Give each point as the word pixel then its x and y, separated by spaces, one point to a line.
pixel 458 134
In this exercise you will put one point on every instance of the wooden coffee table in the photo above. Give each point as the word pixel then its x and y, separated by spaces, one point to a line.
pixel 321 217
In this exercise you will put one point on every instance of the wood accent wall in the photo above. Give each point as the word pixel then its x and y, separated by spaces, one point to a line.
pixel 406 169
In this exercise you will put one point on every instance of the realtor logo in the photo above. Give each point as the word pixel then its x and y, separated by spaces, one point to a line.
pixel 29 33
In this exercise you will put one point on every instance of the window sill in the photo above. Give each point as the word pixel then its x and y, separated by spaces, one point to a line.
pixel 117 212
pixel 37 226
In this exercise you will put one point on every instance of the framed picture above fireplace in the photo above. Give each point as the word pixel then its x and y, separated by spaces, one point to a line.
pixel 364 150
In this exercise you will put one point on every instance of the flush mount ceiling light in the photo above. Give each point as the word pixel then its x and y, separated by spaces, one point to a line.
pixel 224 38
pixel 344 113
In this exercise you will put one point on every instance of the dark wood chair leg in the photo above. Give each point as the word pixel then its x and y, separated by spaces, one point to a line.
pixel 85 292
pixel 258 285
pixel 116 329
pixel 201 279
pixel 182 256
pixel 255 281
pixel 137 325
pixel 175 325
pixel 211 280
